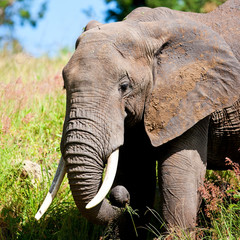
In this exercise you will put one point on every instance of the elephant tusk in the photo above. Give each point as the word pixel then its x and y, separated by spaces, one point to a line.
pixel 58 178
pixel 111 170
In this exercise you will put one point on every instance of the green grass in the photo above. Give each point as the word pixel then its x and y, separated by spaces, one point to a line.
pixel 32 112
pixel 31 118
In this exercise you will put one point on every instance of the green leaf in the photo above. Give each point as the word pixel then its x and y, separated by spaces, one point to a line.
pixel 236 195
pixel 24 13
pixel 4 3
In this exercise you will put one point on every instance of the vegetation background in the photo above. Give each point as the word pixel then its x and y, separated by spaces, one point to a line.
pixel 32 109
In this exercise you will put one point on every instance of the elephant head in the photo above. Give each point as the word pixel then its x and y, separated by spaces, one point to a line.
pixel 157 66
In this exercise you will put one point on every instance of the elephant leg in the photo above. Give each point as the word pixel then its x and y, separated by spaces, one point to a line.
pixel 181 173
pixel 137 173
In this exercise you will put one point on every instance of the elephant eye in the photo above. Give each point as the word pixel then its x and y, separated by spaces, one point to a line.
pixel 124 86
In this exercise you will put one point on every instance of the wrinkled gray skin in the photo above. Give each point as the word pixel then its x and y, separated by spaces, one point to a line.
pixel 155 86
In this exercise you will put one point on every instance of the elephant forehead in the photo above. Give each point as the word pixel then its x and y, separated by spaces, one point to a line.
pixel 89 69
pixel 97 49
pixel 91 55
pixel 123 37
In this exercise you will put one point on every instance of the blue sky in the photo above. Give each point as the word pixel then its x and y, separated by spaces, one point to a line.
pixel 61 25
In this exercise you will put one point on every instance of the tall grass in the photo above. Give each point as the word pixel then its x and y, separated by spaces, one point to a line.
pixel 32 112
pixel 219 216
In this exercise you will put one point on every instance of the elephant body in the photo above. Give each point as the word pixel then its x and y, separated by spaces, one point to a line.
pixel 162 86
pixel 224 137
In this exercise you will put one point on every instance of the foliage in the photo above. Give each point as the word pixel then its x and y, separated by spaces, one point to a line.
pixel 219 216
pixel 124 7
pixel 13 12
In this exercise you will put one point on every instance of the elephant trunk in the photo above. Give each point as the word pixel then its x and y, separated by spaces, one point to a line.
pixel 84 184
pixel 85 161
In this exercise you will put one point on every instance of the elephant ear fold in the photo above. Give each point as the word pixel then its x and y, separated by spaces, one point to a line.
pixel 90 25
pixel 195 73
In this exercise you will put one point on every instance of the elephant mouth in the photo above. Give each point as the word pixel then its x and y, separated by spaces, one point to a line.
pixel 111 170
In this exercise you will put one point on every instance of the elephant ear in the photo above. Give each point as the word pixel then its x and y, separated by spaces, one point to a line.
pixel 194 73
pixel 90 25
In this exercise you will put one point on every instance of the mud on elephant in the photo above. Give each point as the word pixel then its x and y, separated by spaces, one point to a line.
pixel 161 85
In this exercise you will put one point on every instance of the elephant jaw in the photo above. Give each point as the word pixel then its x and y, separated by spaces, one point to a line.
pixel 112 163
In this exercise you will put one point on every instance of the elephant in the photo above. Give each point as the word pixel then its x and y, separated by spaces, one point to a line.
pixel 161 85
